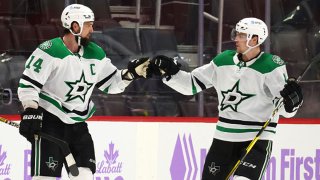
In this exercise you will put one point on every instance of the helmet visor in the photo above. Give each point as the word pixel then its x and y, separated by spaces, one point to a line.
pixel 238 36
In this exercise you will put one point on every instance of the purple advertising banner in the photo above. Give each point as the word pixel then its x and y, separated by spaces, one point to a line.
pixel 168 151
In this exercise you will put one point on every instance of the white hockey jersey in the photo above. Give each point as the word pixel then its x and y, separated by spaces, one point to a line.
pixel 247 92
pixel 62 82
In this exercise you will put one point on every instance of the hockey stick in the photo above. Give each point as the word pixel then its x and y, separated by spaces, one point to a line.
pixel 71 163
pixel 274 112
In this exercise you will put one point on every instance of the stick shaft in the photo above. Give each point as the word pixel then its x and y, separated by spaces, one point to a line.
pixel 62 144
pixel 253 142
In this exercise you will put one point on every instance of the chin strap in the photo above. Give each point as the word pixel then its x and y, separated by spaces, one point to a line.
pixel 250 48
pixel 78 39
pixel 77 36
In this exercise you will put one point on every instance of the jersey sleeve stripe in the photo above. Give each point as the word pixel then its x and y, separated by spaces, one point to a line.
pixel 100 83
pixel 21 85
pixel 33 82
pixel 202 86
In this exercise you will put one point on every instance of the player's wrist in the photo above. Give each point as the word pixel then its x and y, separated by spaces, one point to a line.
pixel 30 104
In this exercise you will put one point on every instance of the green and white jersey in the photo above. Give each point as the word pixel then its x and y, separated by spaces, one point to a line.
pixel 62 82
pixel 247 92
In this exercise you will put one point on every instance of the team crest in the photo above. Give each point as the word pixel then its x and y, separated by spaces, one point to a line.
pixel 213 169
pixel 277 60
pixel 45 45
pixel 78 88
pixel 233 97
pixel 52 164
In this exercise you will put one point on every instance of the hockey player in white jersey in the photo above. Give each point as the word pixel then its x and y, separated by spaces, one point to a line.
pixel 55 91
pixel 249 84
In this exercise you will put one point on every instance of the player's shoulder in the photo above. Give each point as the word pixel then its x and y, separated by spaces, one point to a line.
pixel 55 48
pixel 224 58
pixel 93 51
pixel 267 63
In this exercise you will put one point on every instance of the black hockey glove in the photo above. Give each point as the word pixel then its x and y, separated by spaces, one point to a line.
pixel 31 123
pixel 137 68
pixel 292 95
pixel 163 65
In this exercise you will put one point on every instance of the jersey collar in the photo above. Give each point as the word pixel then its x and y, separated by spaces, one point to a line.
pixel 248 63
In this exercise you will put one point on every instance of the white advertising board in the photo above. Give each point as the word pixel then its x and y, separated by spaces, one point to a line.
pixel 167 151
pixel 296 151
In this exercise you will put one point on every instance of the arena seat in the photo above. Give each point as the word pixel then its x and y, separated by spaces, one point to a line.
pixel 24 37
pixel 101 8
pixel 51 10
pixel 46 32
pixel 120 45
pixel 234 10
pixel 154 40
pixel 6 40
pixel 283 46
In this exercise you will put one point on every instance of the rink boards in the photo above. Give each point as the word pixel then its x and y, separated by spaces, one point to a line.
pixel 159 148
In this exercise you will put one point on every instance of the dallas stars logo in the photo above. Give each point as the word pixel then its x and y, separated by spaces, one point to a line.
pixel 213 168
pixel 52 164
pixel 233 97
pixel 79 89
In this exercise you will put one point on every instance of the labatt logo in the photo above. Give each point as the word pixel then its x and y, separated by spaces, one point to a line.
pixel 110 165
pixel 4 168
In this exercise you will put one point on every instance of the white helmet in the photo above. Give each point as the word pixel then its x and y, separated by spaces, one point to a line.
pixel 76 13
pixel 253 26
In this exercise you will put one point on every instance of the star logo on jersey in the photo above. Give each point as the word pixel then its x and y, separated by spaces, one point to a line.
pixel 78 89
pixel 233 97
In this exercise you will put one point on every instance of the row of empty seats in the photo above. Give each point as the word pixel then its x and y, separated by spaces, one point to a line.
pixel 183 15
pixel 49 11
pixel 123 44
pixel 115 41
pixel 305 47
pixel 25 38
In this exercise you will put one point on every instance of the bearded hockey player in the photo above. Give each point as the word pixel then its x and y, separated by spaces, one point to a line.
pixel 249 84
pixel 55 91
